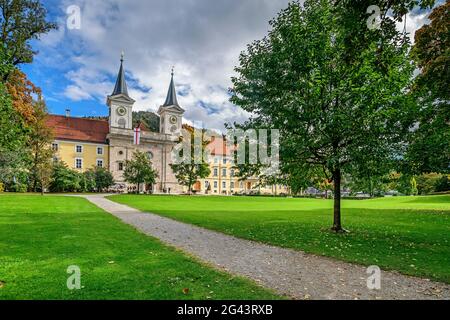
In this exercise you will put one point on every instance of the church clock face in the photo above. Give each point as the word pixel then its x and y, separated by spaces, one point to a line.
pixel 121 111
pixel 173 120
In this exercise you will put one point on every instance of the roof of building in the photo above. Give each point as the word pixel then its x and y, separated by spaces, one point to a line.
pixel 171 99
pixel 78 129
pixel 218 147
pixel 121 84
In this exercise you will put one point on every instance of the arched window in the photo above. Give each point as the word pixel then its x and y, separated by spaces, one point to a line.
pixel 149 155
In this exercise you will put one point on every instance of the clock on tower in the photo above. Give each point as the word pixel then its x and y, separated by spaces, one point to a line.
pixel 171 114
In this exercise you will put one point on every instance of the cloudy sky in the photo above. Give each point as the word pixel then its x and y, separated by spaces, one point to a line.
pixel 202 38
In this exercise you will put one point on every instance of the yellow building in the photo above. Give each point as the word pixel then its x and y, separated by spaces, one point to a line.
pixel 223 179
pixel 80 143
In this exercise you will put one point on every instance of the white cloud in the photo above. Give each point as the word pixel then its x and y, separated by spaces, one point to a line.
pixel 201 38
pixel 76 93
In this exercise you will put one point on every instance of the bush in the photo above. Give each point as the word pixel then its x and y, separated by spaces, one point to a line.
pixel 65 179
pixel 2 189
pixel 442 184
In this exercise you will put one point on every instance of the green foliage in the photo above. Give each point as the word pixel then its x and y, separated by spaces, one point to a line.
pixel 88 181
pixel 432 182
pixel 443 184
pixel 139 170
pixel 429 148
pixel 148 118
pixel 191 169
pixel 39 143
pixel 98 179
pixel 336 108
pixel 12 133
pixel 65 179
pixel 22 21
pixel 2 188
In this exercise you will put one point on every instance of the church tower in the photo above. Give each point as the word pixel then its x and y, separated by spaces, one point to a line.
pixel 120 104
pixel 171 114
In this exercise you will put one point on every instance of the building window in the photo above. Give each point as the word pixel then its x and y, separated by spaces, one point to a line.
pixel 55 159
pixel 79 163
pixel 224 172
pixel 241 185
pixel 216 172
pixel 79 149
pixel 232 173
pixel 215 184
pixel 100 151
pixel 149 155
pixel 206 185
pixel 232 185
pixel 55 147
pixel 216 160
pixel 100 163
pixel 224 184
pixel 224 160
pixel 120 166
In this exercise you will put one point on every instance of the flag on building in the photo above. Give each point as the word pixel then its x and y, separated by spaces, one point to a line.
pixel 137 135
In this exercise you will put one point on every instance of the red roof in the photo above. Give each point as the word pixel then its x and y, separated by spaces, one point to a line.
pixel 218 147
pixel 78 129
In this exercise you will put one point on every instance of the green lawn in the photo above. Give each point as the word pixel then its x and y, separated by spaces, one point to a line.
pixel 41 236
pixel 408 234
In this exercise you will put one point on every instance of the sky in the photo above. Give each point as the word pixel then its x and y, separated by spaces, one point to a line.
pixel 202 39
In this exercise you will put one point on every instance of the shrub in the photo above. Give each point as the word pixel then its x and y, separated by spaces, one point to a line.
pixel 65 179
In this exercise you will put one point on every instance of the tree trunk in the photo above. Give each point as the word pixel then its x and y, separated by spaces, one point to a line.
pixel 337 227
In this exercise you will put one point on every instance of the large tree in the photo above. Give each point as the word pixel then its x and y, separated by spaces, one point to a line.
pixel 429 149
pixel 22 21
pixel 139 170
pixel 335 111
pixel 193 166
pixel 40 144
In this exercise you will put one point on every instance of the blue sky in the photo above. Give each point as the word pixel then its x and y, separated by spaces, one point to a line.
pixel 76 69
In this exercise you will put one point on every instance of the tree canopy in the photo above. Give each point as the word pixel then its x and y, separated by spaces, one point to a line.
pixel 333 113
pixel 191 169
pixel 429 146
pixel 139 170
pixel 20 22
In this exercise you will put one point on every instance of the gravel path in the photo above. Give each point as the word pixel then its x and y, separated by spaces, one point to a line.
pixel 288 272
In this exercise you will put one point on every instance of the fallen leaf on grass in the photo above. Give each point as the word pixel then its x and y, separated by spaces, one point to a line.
pixel 186 290
pixel 2 284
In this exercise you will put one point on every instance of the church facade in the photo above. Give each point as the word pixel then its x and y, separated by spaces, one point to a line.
pixel 84 143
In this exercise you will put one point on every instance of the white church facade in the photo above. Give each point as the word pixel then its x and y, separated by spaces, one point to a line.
pixel 83 143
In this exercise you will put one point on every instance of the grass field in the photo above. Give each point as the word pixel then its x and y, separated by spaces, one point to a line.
pixel 41 236
pixel 408 234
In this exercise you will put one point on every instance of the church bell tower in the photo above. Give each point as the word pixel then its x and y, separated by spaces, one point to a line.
pixel 120 104
pixel 171 114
